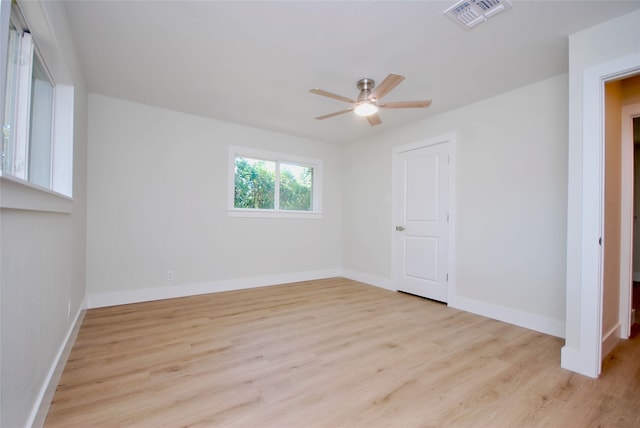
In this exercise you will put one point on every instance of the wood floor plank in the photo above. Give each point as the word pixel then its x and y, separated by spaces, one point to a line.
pixel 328 353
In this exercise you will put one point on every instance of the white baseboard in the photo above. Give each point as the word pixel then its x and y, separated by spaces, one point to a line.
pixel 99 300
pixel 40 408
pixel 611 339
pixel 369 279
pixel 576 361
pixel 512 316
pixel 636 276
pixel 522 319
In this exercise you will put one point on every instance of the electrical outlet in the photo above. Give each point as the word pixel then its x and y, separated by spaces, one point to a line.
pixel 171 275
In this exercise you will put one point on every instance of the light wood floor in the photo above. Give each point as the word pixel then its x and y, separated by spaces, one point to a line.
pixel 330 353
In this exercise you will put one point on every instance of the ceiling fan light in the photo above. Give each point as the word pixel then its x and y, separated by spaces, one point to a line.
pixel 366 109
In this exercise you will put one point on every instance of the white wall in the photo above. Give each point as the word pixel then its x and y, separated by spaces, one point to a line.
pixel 157 201
pixel 43 254
pixel 611 40
pixel 511 203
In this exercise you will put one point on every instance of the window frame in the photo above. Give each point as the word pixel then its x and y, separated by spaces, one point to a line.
pixel 30 18
pixel 278 158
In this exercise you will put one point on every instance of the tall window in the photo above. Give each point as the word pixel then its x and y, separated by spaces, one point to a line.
pixel 33 113
pixel 269 183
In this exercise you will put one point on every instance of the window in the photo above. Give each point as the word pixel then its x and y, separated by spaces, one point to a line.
pixel 36 144
pixel 273 185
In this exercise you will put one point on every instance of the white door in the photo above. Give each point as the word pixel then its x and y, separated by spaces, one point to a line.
pixel 421 202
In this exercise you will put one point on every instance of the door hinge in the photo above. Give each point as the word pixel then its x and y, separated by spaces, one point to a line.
pixel 447 217
pixel 447 277
pixel 600 241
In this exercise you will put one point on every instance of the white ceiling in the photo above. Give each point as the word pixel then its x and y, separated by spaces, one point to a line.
pixel 253 63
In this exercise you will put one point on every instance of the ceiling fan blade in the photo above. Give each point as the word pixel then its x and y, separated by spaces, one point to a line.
pixel 331 95
pixel 327 116
pixel 390 82
pixel 406 104
pixel 374 120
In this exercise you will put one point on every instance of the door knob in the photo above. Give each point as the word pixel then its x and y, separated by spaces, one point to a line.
pixel 399 228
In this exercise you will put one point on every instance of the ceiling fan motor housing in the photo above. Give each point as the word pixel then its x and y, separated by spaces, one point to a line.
pixel 365 85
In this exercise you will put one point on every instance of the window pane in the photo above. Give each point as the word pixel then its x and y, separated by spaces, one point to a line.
pixel 255 183
pixel 40 125
pixel 295 187
pixel 11 90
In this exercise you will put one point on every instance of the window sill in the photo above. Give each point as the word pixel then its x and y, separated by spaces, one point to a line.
pixel 273 214
pixel 18 194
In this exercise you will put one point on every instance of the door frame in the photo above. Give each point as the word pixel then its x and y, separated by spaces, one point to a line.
pixel 587 359
pixel 395 153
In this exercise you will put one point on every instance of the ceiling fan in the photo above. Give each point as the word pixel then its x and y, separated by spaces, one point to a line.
pixel 368 101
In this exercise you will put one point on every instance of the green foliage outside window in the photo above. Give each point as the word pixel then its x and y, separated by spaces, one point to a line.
pixel 255 184
pixel 295 187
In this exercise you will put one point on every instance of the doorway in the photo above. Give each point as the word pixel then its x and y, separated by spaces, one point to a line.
pixel 622 105
pixel 582 351
pixel 635 257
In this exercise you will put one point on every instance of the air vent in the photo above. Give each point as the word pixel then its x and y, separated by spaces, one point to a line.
pixel 469 13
